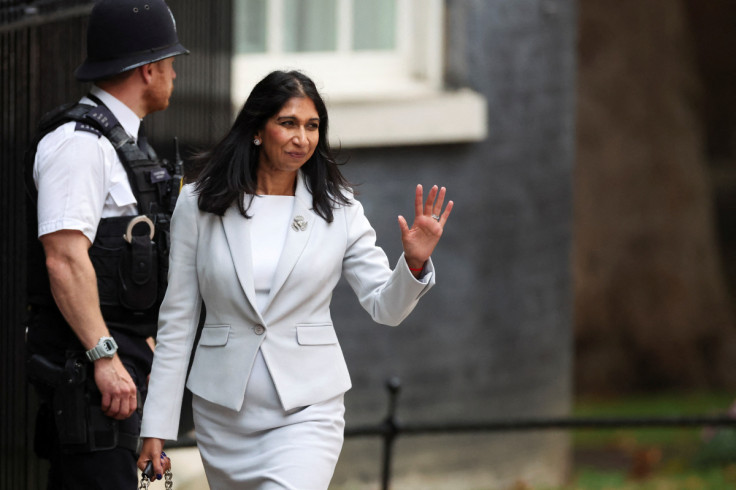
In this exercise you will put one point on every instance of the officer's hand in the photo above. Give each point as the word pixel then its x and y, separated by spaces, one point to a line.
pixel 117 388
pixel 153 451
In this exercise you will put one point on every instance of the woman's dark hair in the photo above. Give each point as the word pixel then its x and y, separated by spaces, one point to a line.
pixel 229 170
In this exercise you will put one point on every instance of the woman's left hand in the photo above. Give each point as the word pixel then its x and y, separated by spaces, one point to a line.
pixel 153 451
pixel 429 220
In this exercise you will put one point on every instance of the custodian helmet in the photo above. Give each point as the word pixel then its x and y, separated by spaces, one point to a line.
pixel 126 34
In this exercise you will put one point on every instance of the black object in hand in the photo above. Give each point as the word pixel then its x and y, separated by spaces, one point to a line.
pixel 148 471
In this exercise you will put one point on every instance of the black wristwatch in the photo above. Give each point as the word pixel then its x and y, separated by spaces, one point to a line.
pixel 106 347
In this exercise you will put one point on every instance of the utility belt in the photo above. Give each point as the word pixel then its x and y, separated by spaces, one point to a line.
pixel 130 257
pixel 71 408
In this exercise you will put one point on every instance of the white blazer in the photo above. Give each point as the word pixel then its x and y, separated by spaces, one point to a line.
pixel 211 261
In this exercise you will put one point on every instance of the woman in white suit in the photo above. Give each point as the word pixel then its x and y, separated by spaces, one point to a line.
pixel 262 238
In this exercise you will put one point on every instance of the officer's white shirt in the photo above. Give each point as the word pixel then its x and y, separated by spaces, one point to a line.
pixel 79 176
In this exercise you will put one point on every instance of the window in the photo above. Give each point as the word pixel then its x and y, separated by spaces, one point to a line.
pixel 351 48
pixel 381 52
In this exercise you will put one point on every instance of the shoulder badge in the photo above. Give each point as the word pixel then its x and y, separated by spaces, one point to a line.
pixel 82 126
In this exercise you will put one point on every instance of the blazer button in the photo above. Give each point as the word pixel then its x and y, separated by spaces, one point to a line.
pixel 259 329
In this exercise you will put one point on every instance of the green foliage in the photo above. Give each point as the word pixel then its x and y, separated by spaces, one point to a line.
pixel 720 449
pixel 648 405
pixel 710 479
pixel 654 459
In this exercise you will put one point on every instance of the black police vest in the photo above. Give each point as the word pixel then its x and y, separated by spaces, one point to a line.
pixel 131 266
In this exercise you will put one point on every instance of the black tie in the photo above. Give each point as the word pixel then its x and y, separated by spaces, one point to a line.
pixel 142 140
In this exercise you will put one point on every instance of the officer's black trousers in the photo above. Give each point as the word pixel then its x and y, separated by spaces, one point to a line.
pixel 108 469
pixel 114 469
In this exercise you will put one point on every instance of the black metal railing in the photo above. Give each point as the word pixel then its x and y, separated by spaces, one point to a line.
pixel 390 428
pixel 15 14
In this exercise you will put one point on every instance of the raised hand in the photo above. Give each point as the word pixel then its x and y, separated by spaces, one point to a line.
pixel 420 240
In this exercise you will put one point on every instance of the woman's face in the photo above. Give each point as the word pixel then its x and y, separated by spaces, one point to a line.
pixel 290 137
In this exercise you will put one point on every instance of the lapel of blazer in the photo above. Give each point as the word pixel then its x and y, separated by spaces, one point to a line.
pixel 237 232
pixel 300 228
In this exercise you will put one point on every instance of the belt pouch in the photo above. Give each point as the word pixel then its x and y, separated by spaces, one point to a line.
pixel 138 273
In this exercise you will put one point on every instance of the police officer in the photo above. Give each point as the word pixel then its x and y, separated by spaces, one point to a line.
pixel 93 313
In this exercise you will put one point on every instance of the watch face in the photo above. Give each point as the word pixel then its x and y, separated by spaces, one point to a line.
pixel 108 346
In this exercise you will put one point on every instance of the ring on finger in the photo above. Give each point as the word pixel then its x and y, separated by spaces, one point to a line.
pixel 436 217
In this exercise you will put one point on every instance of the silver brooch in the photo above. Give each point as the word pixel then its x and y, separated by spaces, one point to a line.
pixel 299 224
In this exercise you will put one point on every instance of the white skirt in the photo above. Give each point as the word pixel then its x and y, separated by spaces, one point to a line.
pixel 264 447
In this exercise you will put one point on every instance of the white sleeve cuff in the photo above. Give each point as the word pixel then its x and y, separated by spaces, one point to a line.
pixel 67 224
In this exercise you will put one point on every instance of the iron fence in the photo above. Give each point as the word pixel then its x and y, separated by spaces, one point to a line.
pixel 15 15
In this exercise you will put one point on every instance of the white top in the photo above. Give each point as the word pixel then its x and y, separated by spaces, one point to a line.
pixel 79 176
pixel 271 216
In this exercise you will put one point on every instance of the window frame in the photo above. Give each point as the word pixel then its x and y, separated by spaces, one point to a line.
pixel 381 100
pixel 414 67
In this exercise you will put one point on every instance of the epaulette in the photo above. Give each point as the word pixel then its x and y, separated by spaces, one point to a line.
pixel 82 126
pixel 102 116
